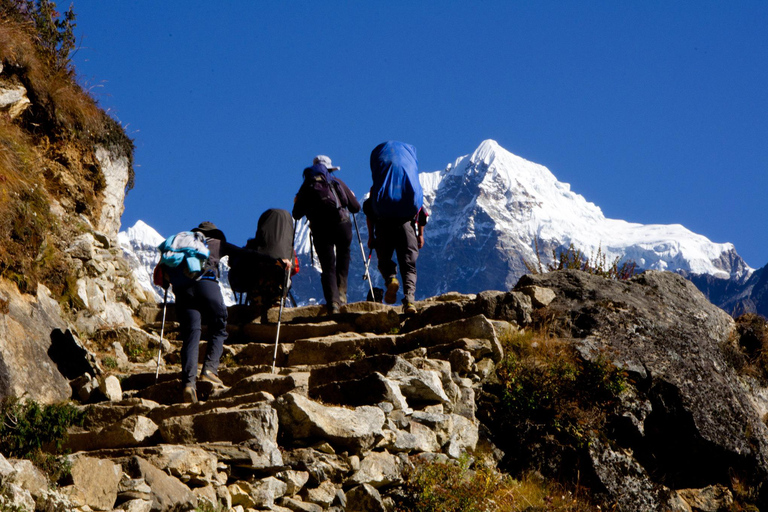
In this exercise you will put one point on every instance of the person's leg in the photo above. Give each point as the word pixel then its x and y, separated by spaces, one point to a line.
pixel 407 254
pixel 386 242
pixel 385 248
pixel 343 243
pixel 216 313
pixel 325 249
pixel 188 317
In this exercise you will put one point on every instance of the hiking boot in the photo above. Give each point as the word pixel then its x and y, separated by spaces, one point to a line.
pixel 409 308
pixel 190 395
pixel 334 308
pixel 391 294
pixel 211 377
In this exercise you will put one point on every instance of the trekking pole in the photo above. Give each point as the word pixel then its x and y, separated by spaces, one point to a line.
pixel 282 298
pixel 365 261
pixel 162 331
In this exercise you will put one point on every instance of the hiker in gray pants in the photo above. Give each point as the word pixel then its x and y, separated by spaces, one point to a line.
pixel 203 299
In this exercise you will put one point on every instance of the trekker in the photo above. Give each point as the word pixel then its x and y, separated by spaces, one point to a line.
pixel 254 271
pixel 326 201
pixel 197 300
pixel 396 218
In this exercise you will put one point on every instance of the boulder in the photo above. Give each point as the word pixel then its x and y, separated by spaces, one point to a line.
pixel 97 480
pixel 168 493
pixel 378 469
pixel 364 498
pixel 26 367
pixel 355 429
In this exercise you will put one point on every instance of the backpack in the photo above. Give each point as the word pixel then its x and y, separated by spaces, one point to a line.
pixel 396 191
pixel 274 238
pixel 327 202
pixel 182 258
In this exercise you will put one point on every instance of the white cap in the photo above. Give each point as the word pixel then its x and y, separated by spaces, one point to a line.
pixel 326 161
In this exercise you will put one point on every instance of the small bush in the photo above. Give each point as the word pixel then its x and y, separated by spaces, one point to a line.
pixel 549 395
pixel 574 259
pixel 750 348
pixel 454 487
pixel 31 431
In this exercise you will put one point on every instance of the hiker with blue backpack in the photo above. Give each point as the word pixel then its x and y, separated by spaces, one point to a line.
pixel 326 201
pixel 396 218
pixel 189 262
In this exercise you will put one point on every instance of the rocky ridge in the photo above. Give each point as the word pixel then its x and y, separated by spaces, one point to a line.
pixel 359 398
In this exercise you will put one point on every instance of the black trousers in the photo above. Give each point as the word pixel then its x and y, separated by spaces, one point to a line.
pixel 398 237
pixel 332 243
pixel 201 301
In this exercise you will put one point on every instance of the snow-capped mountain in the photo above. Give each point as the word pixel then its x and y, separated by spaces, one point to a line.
pixel 491 213
pixel 139 244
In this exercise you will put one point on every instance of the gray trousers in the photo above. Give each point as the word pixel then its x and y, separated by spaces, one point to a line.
pixel 398 237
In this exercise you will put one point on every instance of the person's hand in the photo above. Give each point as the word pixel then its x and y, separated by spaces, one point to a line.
pixel 285 263
pixel 421 241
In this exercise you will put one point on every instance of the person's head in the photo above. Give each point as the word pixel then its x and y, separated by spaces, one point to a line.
pixel 210 230
pixel 326 161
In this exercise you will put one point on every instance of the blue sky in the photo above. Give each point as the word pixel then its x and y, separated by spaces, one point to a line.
pixel 656 111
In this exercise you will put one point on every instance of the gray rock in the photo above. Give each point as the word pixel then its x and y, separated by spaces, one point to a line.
pixel 540 297
pixel 110 387
pixel 17 498
pixel 294 480
pixel 237 425
pixel 463 438
pixel 187 463
pixel 378 469
pixel 26 368
pixel 168 493
pixel 300 506
pixel 134 430
pixel 364 498
pixel 28 477
pixel 98 480
pixel 322 495
pixel 355 429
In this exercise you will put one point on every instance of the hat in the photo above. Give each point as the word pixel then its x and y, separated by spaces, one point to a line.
pixel 210 230
pixel 326 161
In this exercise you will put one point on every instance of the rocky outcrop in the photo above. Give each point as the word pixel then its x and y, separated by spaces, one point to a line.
pixel 689 420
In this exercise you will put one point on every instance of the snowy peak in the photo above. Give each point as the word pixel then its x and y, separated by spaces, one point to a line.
pixel 492 211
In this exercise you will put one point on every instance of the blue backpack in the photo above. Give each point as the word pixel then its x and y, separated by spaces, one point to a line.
pixel 182 258
pixel 396 190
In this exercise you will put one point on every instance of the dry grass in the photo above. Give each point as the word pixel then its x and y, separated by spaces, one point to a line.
pixel 454 487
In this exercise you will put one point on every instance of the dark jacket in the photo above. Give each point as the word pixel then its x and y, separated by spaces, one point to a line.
pixel 306 200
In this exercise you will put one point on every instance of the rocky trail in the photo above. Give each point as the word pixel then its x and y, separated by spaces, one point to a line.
pixel 360 398
pixel 353 398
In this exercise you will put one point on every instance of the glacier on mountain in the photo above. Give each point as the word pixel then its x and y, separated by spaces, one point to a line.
pixel 493 215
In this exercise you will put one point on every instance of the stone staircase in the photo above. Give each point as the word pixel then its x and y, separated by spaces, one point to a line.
pixel 354 400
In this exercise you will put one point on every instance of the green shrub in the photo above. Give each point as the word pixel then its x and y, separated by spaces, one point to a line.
pixel 547 391
pixel 31 431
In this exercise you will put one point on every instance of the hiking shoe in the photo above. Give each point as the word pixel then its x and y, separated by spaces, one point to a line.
pixel 409 308
pixel 391 294
pixel 211 377
pixel 334 308
pixel 189 396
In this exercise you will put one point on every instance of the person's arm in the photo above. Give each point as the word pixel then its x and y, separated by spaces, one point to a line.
pixel 353 205
pixel 420 236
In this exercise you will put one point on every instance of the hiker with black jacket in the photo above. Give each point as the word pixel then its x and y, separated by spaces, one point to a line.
pixel 395 217
pixel 326 201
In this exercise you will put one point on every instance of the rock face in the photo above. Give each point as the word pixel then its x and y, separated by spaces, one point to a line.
pixel 691 421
